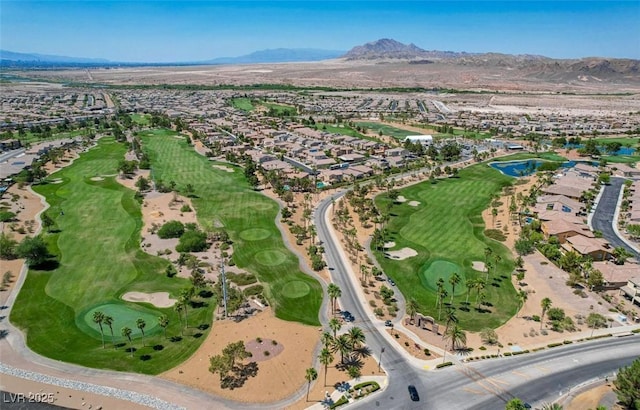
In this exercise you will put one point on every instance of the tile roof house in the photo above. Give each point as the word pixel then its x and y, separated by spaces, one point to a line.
pixel 596 248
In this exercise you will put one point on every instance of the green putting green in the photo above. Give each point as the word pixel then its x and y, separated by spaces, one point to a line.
pixel 295 289
pixel 123 315
pixel 270 257
pixel 442 269
pixel 255 234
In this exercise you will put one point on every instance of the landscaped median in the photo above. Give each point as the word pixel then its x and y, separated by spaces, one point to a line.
pixel 357 392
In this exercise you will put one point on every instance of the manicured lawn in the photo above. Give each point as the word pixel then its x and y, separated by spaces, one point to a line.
pixel 446 230
pixel 247 216
pixel 280 109
pixel 31 138
pixel 386 129
pixel 343 130
pixel 243 104
pixel 97 244
pixel 141 119
pixel 627 159
pixel 549 156
pixel 632 142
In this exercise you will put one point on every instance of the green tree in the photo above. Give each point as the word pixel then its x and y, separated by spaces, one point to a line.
pixel 126 332
pixel 7 247
pixel 163 321
pixel 334 325
pixel 412 308
pixel 522 298
pixel 627 385
pixel 453 281
pixel 356 337
pixel 141 324
pixel 489 336
pixel 98 318
pixel 456 336
pixel 33 249
pixel 341 344
pixel 326 358
pixel 545 304
pixel 334 293
pixel 108 320
pixel 515 404
pixel 310 375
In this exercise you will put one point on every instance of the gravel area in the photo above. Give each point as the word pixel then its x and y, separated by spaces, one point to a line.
pixel 134 397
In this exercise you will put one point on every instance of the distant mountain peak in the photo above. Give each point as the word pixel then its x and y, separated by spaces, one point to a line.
pixel 385 48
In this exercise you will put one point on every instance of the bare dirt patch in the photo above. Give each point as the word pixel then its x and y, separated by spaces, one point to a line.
pixel 263 349
pixel 158 299
pixel 223 168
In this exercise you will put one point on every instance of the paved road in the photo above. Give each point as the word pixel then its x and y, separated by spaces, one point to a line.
pixel 6 156
pixel 535 378
pixel 603 217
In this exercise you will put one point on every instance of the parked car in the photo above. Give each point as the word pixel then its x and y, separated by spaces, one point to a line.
pixel 391 282
pixel 413 393
pixel 388 323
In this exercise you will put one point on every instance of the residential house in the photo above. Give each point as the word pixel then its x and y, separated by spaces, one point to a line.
pixel 596 248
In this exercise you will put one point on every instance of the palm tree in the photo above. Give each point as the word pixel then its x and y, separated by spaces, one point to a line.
pixel 356 337
pixel 470 284
pixel 326 339
pixel 311 375
pixel 522 296
pixel 487 253
pixel 479 285
pixel 440 288
pixel 178 308
pixel 126 332
pixel 184 299
pixel 488 267
pixel 453 281
pixel 98 317
pixel 108 320
pixel 450 315
pixel 326 358
pixel 482 296
pixel 457 336
pixel 334 325
pixel 341 344
pixel 545 304
pixel 141 324
pixel 443 294
pixel 334 293
pixel 412 308
pixel 163 321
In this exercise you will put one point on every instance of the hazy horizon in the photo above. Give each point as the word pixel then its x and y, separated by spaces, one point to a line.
pixel 172 31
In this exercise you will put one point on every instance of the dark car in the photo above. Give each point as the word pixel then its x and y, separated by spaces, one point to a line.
pixel 413 393
pixel 388 323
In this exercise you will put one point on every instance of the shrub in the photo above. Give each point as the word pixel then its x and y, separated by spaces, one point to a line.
pixel 259 339
pixel 6 216
pixel 535 318
pixel 172 229
pixel 242 279
pixel 185 208
pixel 192 241
pixel 482 348
pixel 7 247
pixel 495 234
pixel 427 352
pixel 274 342
pixel 372 303
pixel 253 290
pixel 489 336
pixel 445 364
pixel 267 353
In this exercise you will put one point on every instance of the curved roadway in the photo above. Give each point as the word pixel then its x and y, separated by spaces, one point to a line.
pixel 604 215
pixel 535 377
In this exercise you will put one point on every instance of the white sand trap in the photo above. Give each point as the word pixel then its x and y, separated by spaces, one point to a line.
pixel 222 167
pixel 97 179
pixel 401 254
pixel 401 199
pixel 414 203
pixel 158 299
pixel 389 245
pixel 477 265
pixel 180 137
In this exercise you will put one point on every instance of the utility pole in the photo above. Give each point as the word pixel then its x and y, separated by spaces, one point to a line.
pixel 224 284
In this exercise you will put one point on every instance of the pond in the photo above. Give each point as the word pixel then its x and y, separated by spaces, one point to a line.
pixel 527 167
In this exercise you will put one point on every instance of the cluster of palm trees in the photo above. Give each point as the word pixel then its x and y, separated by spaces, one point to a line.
pixel 101 319
pixel 350 345
pixel 334 293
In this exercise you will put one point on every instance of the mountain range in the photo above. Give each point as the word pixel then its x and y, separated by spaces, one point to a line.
pixel 380 52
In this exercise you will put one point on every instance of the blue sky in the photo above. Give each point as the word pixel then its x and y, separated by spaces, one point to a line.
pixel 164 31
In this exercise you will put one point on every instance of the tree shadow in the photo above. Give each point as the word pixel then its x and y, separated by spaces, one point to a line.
pixel 145 357
pixel 175 339
pixel 47 266
pixel 117 345
pixel 130 349
pixel 350 361
pixel 197 335
pixel 205 294
pixel 204 326
pixel 3 333
pixel 239 375
pixel 157 348
pixel 195 304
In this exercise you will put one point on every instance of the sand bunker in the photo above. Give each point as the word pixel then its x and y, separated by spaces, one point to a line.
pixel 388 245
pixel 401 199
pixel 97 179
pixel 158 299
pixel 414 203
pixel 479 266
pixel 401 254
pixel 222 167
